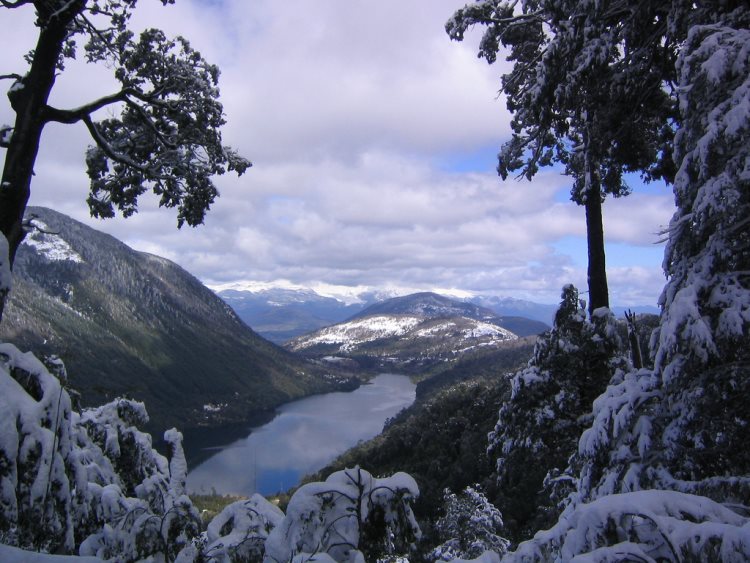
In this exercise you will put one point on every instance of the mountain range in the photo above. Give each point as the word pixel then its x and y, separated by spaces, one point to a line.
pixel 128 323
pixel 412 333
pixel 280 313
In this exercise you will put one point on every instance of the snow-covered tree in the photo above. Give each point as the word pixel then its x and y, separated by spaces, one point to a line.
pixel 164 133
pixel 664 467
pixel 684 425
pixel 704 339
pixel 586 91
pixel 88 482
pixel 539 426
pixel 469 527
pixel 643 526
pixel 352 516
pixel 240 530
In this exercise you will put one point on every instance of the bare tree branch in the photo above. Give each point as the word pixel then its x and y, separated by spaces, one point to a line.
pixel 75 115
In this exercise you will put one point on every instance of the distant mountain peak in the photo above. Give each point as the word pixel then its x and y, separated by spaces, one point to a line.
pixel 427 304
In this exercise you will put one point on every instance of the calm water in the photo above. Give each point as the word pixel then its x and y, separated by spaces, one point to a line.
pixel 304 437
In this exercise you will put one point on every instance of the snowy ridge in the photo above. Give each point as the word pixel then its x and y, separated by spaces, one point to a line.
pixel 50 245
pixel 401 338
pixel 487 329
pixel 352 334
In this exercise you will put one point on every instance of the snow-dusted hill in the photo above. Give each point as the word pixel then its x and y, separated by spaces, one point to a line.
pixel 281 312
pixel 405 341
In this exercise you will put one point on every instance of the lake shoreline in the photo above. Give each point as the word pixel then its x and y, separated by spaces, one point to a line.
pixel 199 442
pixel 277 447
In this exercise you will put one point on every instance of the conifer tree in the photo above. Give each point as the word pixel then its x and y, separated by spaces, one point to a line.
pixel 586 91
pixel 539 426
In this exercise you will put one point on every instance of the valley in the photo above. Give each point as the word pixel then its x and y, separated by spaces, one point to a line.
pixel 162 337
pixel 132 324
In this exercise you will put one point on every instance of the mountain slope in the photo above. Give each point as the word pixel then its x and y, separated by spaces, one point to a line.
pixel 432 305
pixel 130 323
pixel 412 333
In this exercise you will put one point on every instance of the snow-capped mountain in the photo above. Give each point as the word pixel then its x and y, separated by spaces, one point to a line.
pixel 157 333
pixel 283 311
pixel 427 304
pixel 412 332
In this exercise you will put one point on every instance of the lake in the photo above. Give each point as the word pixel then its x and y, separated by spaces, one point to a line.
pixel 304 437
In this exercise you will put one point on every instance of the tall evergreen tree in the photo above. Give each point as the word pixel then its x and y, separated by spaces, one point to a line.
pixel 586 90
pixel 684 423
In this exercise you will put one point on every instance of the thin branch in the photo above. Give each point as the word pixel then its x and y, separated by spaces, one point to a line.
pixel 12 76
pixel 61 10
pixel 96 31
pixel 151 125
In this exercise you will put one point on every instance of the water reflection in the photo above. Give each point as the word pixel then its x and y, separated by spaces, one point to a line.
pixel 305 436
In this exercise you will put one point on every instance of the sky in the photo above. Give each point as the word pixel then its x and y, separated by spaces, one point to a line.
pixel 373 139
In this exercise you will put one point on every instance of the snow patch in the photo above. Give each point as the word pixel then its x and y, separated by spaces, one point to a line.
pixel 359 331
pixel 50 245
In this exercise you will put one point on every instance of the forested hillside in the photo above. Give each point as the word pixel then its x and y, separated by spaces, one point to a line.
pixel 132 324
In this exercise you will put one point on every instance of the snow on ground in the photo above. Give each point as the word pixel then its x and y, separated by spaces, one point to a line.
pixel 50 245
pixel 435 330
pixel 362 330
pixel 10 554
pixel 481 329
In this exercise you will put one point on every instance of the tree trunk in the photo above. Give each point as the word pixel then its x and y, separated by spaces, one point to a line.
pixel 597 271
pixel 592 201
pixel 28 98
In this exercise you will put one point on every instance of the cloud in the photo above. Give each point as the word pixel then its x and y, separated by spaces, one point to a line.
pixel 353 114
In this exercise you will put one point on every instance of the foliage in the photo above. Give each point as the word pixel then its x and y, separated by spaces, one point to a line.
pixel 163 132
pixel 586 90
pixel 581 71
pixel 469 526
pixel 88 482
pixel 348 513
pixel 537 429
pixel 167 135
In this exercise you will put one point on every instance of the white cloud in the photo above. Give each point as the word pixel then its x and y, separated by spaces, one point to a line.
pixel 348 110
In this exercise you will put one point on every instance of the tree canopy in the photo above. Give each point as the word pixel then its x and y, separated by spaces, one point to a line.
pixel 587 91
pixel 164 134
